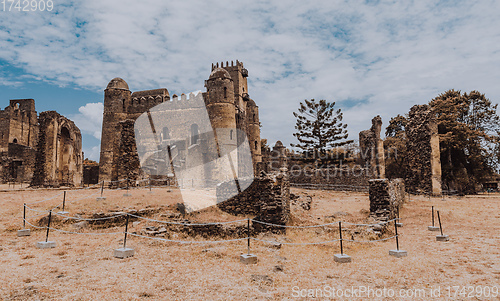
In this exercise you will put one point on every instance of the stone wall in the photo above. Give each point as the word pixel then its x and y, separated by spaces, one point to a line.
pixel 90 174
pixel 386 196
pixel 423 163
pixel 331 177
pixel 267 198
pixel 372 149
pixel 129 167
pixel 58 159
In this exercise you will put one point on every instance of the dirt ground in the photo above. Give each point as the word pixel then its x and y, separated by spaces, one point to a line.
pixel 82 266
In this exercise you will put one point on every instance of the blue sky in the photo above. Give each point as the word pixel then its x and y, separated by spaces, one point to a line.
pixel 371 57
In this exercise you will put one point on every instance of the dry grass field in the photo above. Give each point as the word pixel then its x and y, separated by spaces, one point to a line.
pixel 82 267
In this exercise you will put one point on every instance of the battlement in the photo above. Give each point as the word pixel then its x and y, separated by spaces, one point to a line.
pixel 238 65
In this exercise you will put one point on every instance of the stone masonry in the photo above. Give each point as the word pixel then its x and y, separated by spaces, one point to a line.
pixel 386 196
pixel 372 149
pixel 423 163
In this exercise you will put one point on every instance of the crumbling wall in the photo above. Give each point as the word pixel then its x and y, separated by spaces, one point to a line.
pixel 336 178
pixel 129 166
pixel 423 163
pixel 372 149
pixel 268 198
pixel 58 159
pixel 386 196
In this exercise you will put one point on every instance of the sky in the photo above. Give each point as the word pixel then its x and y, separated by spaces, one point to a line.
pixel 370 57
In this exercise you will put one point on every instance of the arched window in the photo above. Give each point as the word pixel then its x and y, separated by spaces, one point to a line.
pixel 225 92
pixel 15 140
pixel 165 133
pixel 123 104
pixel 254 119
pixel 255 142
pixel 231 135
pixel 194 133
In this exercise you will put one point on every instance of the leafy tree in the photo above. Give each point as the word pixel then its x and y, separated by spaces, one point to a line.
pixel 318 127
pixel 468 127
pixel 395 147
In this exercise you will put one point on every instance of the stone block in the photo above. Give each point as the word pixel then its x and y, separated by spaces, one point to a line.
pixel 248 258
pixel 24 232
pixel 127 194
pixel 399 225
pixel 101 198
pixel 433 228
pixel 342 258
pixel 442 238
pixel 123 252
pixel 398 253
pixel 46 244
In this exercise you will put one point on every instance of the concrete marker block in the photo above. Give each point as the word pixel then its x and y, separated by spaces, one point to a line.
pixel 46 244
pixel 123 252
pixel 24 232
pixel 127 194
pixel 433 228
pixel 101 198
pixel 342 258
pixel 248 258
pixel 442 238
pixel 63 212
pixel 399 225
pixel 398 253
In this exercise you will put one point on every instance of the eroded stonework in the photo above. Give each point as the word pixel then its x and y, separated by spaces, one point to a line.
pixel 41 150
pixel 423 162
pixel 372 149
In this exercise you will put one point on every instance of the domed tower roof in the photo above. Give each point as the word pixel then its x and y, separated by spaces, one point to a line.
pixel 117 83
pixel 219 73
pixel 279 143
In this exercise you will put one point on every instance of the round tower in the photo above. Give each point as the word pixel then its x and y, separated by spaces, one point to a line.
pixel 253 131
pixel 117 99
pixel 221 111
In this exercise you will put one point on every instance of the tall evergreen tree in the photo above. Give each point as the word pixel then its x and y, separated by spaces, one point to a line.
pixel 319 126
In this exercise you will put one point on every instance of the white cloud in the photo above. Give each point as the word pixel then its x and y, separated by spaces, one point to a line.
pixel 89 120
pixel 385 56
pixel 92 153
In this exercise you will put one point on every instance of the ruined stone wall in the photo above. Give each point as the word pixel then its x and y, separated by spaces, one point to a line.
pixel 59 152
pixel 386 196
pixel 267 198
pixel 18 124
pixel 372 149
pixel 90 174
pixel 335 178
pixel 129 167
pixel 22 162
pixel 423 163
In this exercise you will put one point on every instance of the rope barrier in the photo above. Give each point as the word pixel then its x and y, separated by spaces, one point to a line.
pixel 187 224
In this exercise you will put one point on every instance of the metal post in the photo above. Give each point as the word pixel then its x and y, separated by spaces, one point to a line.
pixel 433 216
pixel 248 233
pixel 48 226
pixel 341 246
pixel 127 185
pixel 102 188
pixel 150 184
pixel 397 240
pixel 126 230
pixel 64 200
pixel 24 216
pixel 440 227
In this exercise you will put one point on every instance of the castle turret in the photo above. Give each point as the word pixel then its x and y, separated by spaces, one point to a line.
pixel 117 100
pixel 221 109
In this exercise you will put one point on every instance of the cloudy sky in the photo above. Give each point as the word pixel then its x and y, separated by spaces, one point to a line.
pixel 370 57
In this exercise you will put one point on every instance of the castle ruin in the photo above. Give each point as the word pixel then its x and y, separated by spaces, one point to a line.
pixel 232 114
pixel 43 150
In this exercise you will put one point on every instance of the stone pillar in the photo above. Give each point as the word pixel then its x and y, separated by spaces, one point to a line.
pixel 372 149
pixel 385 198
pixel 423 163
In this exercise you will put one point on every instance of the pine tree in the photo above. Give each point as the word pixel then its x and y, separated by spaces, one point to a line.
pixel 318 127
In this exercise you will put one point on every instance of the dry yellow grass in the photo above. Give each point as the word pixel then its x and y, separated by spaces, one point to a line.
pixel 82 267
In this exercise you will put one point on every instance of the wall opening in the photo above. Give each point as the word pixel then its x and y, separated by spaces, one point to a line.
pixel 194 133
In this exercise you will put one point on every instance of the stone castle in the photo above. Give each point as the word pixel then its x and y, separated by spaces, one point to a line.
pixel 180 131
pixel 44 150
